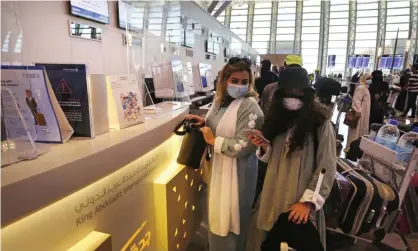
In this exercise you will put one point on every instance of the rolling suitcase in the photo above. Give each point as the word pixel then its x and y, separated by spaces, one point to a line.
pixel 369 204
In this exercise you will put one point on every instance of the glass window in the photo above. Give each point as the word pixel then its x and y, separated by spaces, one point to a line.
pixel 310 44
pixel 402 34
pixel 338 44
pixel 366 35
pixel 261 31
pixel 368 6
pixel 339 14
pixel 394 27
pixel 266 5
pixel 311 16
pixel 366 43
pixel 284 11
pixel 261 24
pixel 310 30
pixel 286 30
pixel 238 19
pixel 335 8
pixel 261 50
pixel 235 12
pixel 397 4
pixel 238 25
pixel 313 9
pixel 286 17
pixel 311 23
pixel 369 20
pixel 367 13
pixel 310 37
pixel 282 37
pixel 262 18
pixel 258 37
pixel 338 29
pixel 398 19
pixel 339 21
pixel 338 36
pixel 288 4
pixel 262 11
pixel 398 12
pixel 286 23
pixel 366 28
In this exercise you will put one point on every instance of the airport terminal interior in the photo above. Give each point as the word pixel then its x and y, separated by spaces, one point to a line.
pixel 171 125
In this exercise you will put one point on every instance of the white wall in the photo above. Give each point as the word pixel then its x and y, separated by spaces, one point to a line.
pixel 45 26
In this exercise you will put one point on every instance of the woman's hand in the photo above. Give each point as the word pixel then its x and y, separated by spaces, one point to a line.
pixel 257 141
pixel 208 135
pixel 300 213
pixel 200 120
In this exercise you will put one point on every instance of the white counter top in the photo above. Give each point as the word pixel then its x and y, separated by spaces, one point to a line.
pixel 30 185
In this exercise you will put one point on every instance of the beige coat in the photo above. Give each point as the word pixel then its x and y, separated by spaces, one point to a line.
pixel 361 104
pixel 291 178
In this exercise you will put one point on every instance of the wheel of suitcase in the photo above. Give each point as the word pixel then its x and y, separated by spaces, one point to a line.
pixel 378 235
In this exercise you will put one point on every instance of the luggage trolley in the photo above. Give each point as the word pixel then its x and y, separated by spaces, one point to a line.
pixel 387 159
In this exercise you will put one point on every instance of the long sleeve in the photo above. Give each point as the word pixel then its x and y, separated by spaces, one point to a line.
pixel 325 158
pixel 357 98
pixel 250 116
pixel 265 156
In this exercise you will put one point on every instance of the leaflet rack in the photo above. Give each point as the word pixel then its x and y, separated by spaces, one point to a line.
pixel 387 159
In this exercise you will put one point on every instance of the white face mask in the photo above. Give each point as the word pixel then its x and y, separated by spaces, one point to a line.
pixel 292 104
pixel 237 91
pixel 368 81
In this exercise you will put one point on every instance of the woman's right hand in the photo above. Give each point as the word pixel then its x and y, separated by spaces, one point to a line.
pixel 200 120
pixel 258 141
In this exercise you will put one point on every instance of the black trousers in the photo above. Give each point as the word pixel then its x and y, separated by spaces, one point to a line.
pixel 412 103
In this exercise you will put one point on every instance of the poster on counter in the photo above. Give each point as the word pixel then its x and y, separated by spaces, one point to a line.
pixel 40 109
pixel 124 101
pixel 69 82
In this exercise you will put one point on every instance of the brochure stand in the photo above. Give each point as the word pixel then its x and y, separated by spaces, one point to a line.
pixel 17 143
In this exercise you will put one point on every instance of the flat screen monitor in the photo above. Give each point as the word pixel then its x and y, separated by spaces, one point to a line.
pixel 131 15
pixel 398 64
pixel 366 60
pixel 359 61
pixel 352 61
pixel 383 61
pixel 205 71
pixel 93 10
pixel 177 67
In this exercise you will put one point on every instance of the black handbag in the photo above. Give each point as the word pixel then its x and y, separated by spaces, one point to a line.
pixel 192 146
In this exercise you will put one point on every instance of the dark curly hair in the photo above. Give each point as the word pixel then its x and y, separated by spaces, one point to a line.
pixel 305 120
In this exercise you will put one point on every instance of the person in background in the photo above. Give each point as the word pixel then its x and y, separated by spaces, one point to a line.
pixel 266 77
pixel 291 61
pixel 401 99
pixel 317 75
pixel 361 105
pixel 302 142
pixel 275 70
pixel 233 164
pixel 379 92
pixel 412 88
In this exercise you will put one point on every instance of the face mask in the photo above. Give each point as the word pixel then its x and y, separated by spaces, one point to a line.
pixel 237 91
pixel 368 81
pixel 292 104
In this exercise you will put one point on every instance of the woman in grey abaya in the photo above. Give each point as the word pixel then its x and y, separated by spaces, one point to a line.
pixel 295 118
pixel 233 165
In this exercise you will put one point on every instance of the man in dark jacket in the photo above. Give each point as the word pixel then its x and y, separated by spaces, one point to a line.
pixel 267 77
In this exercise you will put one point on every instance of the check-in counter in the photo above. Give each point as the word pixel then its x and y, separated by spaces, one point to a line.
pixel 120 191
